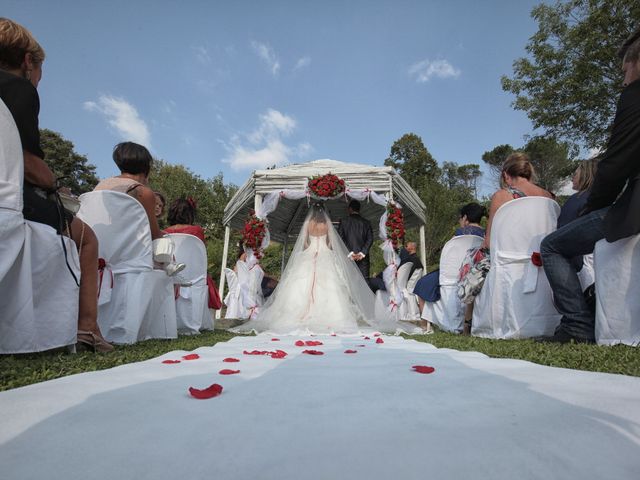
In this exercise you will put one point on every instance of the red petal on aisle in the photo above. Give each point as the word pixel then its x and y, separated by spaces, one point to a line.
pixel 299 343
pixel 170 362
pixel 275 339
pixel 376 334
pixel 230 359
pixel 226 371
pixel 313 352
pixel 333 334
pixel 278 354
pixel 379 340
pixel 423 369
pixel 367 338
pixel 313 343
pixel 210 392
pixel 350 351
pixel 191 356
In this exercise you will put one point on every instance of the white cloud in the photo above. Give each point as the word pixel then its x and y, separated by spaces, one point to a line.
pixel 424 70
pixel 302 62
pixel 265 146
pixel 268 55
pixel 123 117
pixel 202 54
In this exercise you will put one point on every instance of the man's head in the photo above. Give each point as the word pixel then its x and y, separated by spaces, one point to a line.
pixel 629 53
pixel 354 206
pixel 411 247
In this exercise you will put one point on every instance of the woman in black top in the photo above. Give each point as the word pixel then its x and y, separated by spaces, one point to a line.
pixel 21 60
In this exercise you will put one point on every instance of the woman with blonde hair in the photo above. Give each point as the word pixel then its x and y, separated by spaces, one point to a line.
pixel 21 59
pixel 581 181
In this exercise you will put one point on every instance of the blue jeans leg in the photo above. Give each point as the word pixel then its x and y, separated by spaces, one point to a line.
pixel 576 238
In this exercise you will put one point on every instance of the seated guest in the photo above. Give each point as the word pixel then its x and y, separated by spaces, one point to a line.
pixel 21 59
pixel 160 205
pixel 611 211
pixel 582 180
pixel 268 285
pixel 428 287
pixel 134 162
pixel 181 217
pixel 516 181
pixel 407 255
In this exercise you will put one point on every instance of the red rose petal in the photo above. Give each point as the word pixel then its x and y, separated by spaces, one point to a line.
pixel 191 356
pixel 313 343
pixel 230 359
pixel 275 339
pixel 226 371
pixel 170 362
pixel 313 352
pixel 367 338
pixel 333 334
pixel 423 369
pixel 209 392
pixel 299 343
pixel 278 354
pixel 379 340
pixel 350 351
pixel 376 334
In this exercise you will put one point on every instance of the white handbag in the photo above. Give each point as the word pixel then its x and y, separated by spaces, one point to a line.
pixel 163 249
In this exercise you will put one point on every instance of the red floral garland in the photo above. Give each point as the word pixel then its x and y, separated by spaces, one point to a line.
pixel 253 234
pixel 395 225
pixel 326 186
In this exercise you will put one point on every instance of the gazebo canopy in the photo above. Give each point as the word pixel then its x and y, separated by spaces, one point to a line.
pixel 286 220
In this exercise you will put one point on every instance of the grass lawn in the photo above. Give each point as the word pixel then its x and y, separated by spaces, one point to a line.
pixel 20 370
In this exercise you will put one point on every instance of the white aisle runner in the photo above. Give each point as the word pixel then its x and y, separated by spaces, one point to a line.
pixel 364 415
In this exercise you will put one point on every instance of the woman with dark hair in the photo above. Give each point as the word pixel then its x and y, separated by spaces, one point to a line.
pixel 160 206
pixel 21 59
pixel 181 218
pixel 134 162
pixel 428 287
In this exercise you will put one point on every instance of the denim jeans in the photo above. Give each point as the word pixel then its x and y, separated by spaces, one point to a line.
pixel 576 238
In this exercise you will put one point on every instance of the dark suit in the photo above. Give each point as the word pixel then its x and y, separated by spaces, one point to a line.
pixel 357 235
pixel 620 164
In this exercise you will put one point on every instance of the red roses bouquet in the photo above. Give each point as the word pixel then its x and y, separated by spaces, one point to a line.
pixel 326 186
pixel 253 234
pixel 395 225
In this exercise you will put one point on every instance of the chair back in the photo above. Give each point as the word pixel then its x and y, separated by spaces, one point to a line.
pixel 452 256
pixel 11 162
pixel 122 227
pixel 191 251
pixel 413 279
pixel 403 275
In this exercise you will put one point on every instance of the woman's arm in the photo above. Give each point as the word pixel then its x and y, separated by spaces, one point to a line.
pixel 499 198
pixel 37 172
pixel 148 200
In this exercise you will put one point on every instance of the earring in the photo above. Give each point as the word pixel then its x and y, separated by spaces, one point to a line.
pixel 27 75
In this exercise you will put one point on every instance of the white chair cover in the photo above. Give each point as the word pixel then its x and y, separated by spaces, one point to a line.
pixel 136 302
pixel 409 309
pixel 192 304
pixel 448 312
pixel 516 299
pixel 617 272
pixel 233 300
pixel 39 300
pixel 394 291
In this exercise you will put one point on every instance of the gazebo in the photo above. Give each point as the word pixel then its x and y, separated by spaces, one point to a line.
pixel 286 220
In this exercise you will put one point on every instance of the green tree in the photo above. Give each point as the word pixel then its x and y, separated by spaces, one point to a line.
pixel 412 160
pixel 570 80
pixel 73 169
pixel 495 158
pixel 463 178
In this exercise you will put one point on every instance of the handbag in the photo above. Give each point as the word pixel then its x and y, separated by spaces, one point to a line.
pixel 473 272
pixel 163 249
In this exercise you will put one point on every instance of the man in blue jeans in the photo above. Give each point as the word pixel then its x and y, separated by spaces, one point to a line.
pixel 606 215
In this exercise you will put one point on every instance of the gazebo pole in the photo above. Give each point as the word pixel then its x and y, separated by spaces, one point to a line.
pixel 423 249
pixel 225 252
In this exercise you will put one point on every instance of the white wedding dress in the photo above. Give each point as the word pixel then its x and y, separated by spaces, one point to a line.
pixel 321 291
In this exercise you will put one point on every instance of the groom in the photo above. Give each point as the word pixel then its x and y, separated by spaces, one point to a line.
pixel 357 235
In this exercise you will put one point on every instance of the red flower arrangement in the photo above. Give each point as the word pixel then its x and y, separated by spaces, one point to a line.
pixel 253 234
pixel 395 225
pixel 326 186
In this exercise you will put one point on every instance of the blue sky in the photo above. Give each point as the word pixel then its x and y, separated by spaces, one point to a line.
pixel 231 86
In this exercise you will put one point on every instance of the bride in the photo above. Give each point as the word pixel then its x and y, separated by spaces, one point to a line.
pixel 321 289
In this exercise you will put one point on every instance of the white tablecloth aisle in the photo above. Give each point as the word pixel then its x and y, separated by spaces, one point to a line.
pixel 365 415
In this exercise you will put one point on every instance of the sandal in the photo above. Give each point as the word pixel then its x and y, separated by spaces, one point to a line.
pixel 90 341
pixel 466 329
